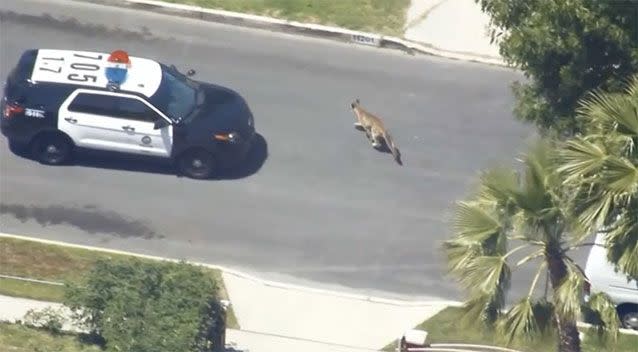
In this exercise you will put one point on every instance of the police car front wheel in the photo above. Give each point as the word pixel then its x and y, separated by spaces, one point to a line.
pixel 198 164
pixel 52 149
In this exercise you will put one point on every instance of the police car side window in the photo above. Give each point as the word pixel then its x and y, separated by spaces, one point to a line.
pixel 135 109
pixel 98 104
pixel 113 106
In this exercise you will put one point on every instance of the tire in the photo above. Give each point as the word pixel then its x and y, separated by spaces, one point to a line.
pixel 52 149
pixel 197 164
pixel 629 317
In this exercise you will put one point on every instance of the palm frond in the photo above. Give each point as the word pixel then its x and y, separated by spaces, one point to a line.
pixel 632 88
pixel 525 228
pixel 498 185
pixel 622 243
pixel 594 209
pixel 609 112
pixel 487 275
pixel 600 311
pixel 516 249
pixel 526 319
pixel 581 158
pixel 538 253
pixel 620 176
pixel 481 308
pixel 475 222
pixel 620 145
pixel 539 177
pixel 540 199
pixel 541 268
pixel 460 254
pixel 567 297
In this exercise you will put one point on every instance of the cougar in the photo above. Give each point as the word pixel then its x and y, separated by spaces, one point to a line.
pixel 375 130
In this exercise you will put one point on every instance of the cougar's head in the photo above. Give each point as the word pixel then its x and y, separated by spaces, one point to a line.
pixel 355 103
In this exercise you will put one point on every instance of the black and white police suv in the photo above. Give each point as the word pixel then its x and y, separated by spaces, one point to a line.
pixel 58 101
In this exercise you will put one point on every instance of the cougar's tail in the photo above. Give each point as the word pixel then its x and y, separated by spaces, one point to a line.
pixel 393 148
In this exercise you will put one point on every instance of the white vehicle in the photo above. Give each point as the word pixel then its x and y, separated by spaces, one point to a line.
pixel 603 278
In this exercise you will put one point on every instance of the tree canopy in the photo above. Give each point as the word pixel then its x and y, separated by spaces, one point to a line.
pixel 565 49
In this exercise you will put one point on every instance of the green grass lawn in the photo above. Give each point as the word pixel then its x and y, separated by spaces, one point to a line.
pixel 32 290
pixel 445 327
pixel 41 261
pixel 383 16
pixel 18 338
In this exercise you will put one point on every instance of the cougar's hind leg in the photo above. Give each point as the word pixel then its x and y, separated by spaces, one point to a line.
pixel 368 134
pixel 376 143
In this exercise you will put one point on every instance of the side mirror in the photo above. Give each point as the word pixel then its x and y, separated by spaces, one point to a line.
pixel 190 72
pixel 159 123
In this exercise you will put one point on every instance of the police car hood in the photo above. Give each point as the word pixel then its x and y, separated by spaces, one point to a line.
pixel 222 109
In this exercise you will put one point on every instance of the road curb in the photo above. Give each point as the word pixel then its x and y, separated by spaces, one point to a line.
pixel 236 273
pixel 315 30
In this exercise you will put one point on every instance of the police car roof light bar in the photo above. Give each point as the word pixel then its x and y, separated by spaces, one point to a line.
pixel 117 69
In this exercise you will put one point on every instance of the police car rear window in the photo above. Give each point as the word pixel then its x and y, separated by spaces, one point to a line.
pixel 24 67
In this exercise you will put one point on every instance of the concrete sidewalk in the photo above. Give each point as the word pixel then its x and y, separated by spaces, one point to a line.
pixel 458 26
pixel 276 318
pixel 339 320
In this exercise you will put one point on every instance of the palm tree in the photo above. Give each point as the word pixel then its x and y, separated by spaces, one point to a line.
pixel 601 168
pixel 525 211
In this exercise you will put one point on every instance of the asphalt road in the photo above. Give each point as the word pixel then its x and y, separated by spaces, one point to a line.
pixel 316 203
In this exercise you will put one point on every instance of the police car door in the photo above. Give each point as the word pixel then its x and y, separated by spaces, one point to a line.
pixel 87 117
pixel 142 118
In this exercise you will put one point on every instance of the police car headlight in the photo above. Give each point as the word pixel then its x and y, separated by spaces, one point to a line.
pixel 232 137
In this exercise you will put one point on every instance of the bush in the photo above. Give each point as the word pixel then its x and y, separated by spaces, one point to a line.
pixel 49 319
pixel 149 306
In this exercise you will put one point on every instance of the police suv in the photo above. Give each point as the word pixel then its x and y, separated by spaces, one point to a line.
pixel 58 101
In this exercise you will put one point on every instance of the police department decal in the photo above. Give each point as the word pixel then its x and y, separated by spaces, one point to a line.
pixel 146 140
pixel 39 114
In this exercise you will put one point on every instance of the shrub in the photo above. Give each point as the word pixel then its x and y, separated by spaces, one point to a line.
pixel 142 306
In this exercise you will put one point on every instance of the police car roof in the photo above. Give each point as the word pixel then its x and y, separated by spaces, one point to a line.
pixel 87 68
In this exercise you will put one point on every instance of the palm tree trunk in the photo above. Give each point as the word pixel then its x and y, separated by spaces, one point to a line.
pixel 568 337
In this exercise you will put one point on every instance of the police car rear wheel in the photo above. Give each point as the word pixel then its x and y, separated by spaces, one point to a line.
pixel 52 149
pixel 197 164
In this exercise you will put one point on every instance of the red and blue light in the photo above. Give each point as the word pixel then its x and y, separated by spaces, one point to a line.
pixel 118 65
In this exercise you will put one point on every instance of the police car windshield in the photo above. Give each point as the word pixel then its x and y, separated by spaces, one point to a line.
pixel 176 95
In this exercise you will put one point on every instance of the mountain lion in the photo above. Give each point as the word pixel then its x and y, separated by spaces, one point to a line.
pixel 375 130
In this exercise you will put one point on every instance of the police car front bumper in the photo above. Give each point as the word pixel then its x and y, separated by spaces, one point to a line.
pixel 233 153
